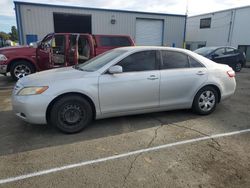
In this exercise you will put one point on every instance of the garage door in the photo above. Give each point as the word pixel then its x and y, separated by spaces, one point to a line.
pixel 149 32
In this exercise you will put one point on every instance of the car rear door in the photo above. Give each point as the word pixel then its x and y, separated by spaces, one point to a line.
pixel 181 77
pixel 232 56
pixel 136 88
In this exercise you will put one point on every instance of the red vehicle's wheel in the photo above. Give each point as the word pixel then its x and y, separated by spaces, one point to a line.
pixel 20 69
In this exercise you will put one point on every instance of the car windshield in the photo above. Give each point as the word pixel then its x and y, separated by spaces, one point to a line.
pixel 205 50
pixel 99 61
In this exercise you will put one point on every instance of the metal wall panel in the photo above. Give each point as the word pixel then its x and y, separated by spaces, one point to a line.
pixel 38 19
pixel 230 27
pixel 241 27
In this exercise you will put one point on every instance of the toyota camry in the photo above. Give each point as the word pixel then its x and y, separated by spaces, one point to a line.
pixel 123 81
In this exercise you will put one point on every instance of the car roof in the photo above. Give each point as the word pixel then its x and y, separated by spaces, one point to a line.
pixel 139 48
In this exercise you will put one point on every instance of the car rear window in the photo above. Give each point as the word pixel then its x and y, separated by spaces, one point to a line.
pixel 114 41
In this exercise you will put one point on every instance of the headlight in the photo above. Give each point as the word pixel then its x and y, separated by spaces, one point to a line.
pixel 3 57
pixel 32 90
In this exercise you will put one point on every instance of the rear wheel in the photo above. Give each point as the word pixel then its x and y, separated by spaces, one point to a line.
pixel 238 67
pixel 205 100
pixel 20 69
pixel 71 114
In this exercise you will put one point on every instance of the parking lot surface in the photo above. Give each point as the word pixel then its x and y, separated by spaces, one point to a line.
pixel 214 162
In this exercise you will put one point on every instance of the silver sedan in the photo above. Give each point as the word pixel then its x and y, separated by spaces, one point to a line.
pixel 124 81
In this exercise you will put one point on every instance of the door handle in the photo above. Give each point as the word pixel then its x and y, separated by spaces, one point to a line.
pixel 152 77
pixel 200 73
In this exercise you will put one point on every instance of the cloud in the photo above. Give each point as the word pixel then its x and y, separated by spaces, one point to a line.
pixel 162 6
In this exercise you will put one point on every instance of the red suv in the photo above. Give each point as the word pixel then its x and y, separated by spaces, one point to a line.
pixel 57 50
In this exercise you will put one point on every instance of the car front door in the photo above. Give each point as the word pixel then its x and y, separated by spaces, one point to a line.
pixel 44 53
pixel 181 77
pixel 136 88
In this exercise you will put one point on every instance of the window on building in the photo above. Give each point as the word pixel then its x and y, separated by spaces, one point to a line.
pixel 205 23
pixel 188 46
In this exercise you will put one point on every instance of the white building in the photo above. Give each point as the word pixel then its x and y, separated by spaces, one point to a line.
pixel 223 28
pixel 35 20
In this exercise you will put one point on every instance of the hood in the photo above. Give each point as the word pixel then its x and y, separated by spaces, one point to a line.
pixel 8 48
pixel 17 49
pixel 52 76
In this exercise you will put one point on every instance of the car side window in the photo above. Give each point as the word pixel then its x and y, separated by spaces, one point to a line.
pixel 114 41
pixel 230 51
pixel 219 52
pixel 139 61
pixel 193 63
pixel 174 60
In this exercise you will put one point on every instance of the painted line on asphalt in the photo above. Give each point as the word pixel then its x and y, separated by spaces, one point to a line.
pixel 6 88
pixel 85 163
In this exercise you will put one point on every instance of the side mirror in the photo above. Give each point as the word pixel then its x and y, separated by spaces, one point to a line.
pixel 115 69
pixel 33 45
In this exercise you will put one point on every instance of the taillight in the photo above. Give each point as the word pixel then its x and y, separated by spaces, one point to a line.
pixel 231 73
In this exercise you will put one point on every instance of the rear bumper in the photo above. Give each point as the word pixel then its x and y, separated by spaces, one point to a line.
pixel 229 89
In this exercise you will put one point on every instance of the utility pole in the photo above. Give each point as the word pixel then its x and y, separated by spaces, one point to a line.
pixel 185 26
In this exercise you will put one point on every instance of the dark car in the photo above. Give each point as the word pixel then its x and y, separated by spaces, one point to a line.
pixel 224 55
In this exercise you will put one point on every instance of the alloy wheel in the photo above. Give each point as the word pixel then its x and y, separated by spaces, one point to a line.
pixel 206 101
pixel 21 71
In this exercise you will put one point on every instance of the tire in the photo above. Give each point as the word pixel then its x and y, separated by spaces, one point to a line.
pixel 205 101
pixel 20 69
pixel 238 66
pixel 70 114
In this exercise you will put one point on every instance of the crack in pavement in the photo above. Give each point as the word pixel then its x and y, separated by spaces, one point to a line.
pixel 155 136
pixel 130 169
pixel 137 156
pixel 204 134
pixel 181 126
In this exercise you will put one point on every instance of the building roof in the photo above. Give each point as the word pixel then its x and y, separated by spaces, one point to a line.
pixel 97 9
pixel 235 8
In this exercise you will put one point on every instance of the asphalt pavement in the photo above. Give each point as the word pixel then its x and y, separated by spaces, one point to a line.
pixel 120 152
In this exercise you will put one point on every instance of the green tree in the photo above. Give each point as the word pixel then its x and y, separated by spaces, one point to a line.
pixel 13 34
pixel 4 35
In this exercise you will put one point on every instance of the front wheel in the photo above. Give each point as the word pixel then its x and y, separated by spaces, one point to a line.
pixel 20 69
pixel 71 114
pixel 205 101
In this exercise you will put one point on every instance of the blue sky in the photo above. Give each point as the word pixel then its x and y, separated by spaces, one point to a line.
pixel 7 13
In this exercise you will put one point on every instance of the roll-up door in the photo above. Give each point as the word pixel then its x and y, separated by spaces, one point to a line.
pixel 149 32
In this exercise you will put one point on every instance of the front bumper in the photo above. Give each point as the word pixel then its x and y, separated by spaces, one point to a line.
pixel 31 108
pixel 3 69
